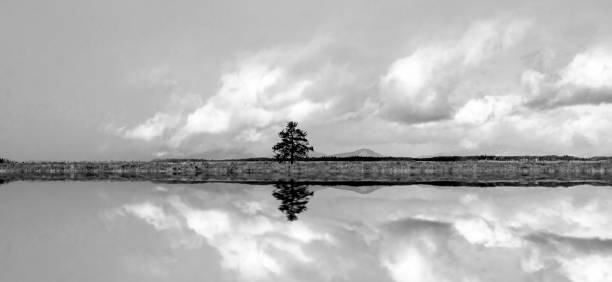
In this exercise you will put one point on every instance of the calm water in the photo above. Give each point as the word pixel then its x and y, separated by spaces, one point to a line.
pixel 139 231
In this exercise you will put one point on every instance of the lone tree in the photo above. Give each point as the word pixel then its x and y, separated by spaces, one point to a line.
pixel 293 144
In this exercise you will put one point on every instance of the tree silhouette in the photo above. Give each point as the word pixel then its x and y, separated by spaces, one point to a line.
pixel 293 197
pixel 293 144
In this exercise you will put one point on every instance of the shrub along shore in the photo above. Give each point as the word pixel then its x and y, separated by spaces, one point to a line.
pixel 484 170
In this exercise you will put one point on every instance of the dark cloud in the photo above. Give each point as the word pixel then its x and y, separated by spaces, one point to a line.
pixel 580 245
pixel 402 226
pixel 554 97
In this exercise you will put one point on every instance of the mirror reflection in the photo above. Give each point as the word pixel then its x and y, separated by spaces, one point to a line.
pixel 226 232
pixel 293 197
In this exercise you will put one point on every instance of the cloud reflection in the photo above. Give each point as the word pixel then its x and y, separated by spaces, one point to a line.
pixel 251 240
pixel 397 233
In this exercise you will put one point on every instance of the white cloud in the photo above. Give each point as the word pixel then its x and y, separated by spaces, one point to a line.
pixel 259 93
pixel 207 119
pixel 152 128
pixel 442 98
pixel 481 110
pixel 504 123
pixel 590 69
pixel 269 87
pixel 304 109
pixel 411 74
pixel 486 39
pixel 235 102
pixel 585 80
pixel 417 87
pixel 261 89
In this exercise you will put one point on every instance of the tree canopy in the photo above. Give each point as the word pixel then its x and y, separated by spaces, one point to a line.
pixel 293 144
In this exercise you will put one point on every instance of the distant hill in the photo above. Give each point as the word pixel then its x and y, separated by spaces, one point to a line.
pixel 358 189
pixel 370 155
pixel 358 153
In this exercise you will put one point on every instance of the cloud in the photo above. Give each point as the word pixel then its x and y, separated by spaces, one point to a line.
pixel 480 110
pixel 466 95
pixel 259 90
pixel 580 129
pixel 262 91
pixel 152 128
pixel 594 268
pixel 421 86
pixel 207 119
pixel 590 69
pixel 585 80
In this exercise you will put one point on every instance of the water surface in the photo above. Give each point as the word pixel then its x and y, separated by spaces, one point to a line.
pixel 141 231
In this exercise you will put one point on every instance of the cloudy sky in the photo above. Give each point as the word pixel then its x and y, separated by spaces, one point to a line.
pixel 87 231
pixel 146 79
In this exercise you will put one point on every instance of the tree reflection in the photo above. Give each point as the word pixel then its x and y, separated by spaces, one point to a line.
pixel 293 196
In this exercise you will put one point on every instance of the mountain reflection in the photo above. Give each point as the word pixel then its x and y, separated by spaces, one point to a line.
pixel 293 196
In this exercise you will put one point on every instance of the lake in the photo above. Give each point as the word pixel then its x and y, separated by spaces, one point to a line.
pixel 144 231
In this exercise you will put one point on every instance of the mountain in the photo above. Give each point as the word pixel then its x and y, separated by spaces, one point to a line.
pixel 358 153
pixel 358 189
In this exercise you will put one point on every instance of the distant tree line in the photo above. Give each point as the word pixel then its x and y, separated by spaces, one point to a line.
pixel 3 160
pixel 427 159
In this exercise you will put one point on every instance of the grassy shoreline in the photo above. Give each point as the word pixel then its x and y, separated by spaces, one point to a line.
pixel 506 170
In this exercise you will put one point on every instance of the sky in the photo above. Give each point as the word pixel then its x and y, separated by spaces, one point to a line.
pixel 138 231
pixel 122 80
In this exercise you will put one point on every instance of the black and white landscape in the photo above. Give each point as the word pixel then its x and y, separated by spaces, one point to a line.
pixel 403 141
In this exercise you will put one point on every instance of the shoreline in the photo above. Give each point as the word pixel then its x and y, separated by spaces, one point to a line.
pixel 337 172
